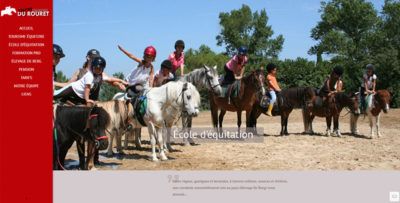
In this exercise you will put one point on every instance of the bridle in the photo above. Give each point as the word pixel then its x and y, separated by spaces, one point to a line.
pixel 209 79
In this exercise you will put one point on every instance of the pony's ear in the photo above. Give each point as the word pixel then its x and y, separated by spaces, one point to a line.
pixel 215 67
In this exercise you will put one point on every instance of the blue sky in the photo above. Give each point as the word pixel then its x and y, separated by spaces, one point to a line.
pixel 80 25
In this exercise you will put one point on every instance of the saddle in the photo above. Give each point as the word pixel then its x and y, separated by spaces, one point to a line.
pixel 265 101
pixel 139 104
pixel 230 91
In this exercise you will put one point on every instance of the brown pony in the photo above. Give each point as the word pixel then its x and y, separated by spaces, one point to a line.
pixel 338 102
pixel 250 86
pixel 287 100
pixel 380 101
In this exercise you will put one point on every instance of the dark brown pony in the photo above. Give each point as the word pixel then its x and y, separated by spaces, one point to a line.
pixel 380 102
pixel 287 100
pixel 337 102
pixel 80 124
pixel 250 86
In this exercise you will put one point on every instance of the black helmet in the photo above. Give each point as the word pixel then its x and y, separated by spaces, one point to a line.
pixel 93 53
pixel 242 50
pixel 370 67
pixel 270 67
pixel 166 64
pixel 98 62
pixel 338 70
pixel 57 50
pixel 180 43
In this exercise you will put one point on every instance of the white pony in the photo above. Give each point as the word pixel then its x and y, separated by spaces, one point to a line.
pixel 376 103
pixel 165 105
pixel 204 77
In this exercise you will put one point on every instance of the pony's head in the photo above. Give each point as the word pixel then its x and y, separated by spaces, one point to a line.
pixel 97 123
pixel 190 99
pixel 309 96
pixel 211 79
pixel 350 100
pixel 184 96
pixel 382 99
pixel 256 79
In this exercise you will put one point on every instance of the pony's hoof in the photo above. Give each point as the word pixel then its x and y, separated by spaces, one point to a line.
pixel 121 152
pixel 155 159
pixel 93 169
pixel 164 158
pixel 169 148
pixel 379 135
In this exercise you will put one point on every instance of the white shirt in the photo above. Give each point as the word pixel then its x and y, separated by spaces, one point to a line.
pixel 161 78
pixel 79 85
pixel 369 80
pixel 139 75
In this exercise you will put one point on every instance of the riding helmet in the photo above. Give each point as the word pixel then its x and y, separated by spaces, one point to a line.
pixel 93 53
pixel 242 50
pixel 151 51
pixel 166 64
pixel 180 43
pixel 57 50
pixel 98 62
pixel 338 70
pixel 370 67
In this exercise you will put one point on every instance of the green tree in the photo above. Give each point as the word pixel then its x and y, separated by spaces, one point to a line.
pixel 108 91
pixel 385 48
pixel 243 27
pixel 204 56
pixel 344 33
pixel 61 77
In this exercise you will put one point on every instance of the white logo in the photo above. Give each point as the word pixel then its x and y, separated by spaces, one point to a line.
pixel 8 11
pixel 394 196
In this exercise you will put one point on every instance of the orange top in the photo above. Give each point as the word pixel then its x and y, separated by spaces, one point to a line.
pixel 272 83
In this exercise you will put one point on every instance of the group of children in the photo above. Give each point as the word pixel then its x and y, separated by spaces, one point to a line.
pixel 84 85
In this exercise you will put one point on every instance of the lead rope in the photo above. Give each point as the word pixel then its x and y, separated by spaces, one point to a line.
pixel 57 148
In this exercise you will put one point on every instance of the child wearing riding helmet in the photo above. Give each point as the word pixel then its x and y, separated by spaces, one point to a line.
pixel 141 77
pixel 177 58
pixel 78 74
pixel 333 83
pixel 82 90
pixel 368 85
pixel 57 55
pixel 164 75
pixel 273 86
pixel 234 68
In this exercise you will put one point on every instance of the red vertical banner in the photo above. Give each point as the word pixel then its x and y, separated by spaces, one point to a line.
pixel 26 101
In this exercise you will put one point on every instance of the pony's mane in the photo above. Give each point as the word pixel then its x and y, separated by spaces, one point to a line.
pixel 72 116
pixel 198 76
pixel 102 116
pixel 195 94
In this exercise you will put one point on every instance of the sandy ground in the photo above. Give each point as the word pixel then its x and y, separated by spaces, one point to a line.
pixel 293 152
